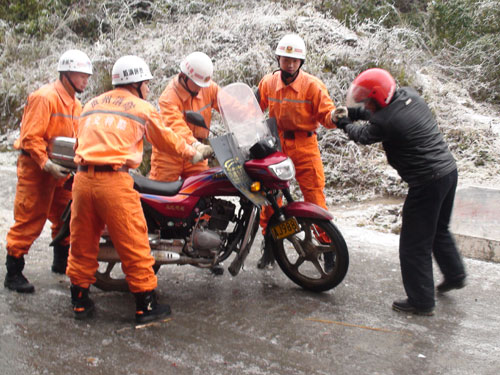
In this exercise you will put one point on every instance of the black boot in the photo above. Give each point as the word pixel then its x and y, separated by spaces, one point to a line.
pixel 267 257
pixel 60 258
pixel 405 307
pixel 83 306
pixel 148 309
pixel 447 285
pixel 15 280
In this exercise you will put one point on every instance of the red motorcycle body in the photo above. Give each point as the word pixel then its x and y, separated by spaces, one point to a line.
pixel 214 214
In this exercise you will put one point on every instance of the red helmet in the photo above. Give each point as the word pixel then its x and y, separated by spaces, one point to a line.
pixel 376 84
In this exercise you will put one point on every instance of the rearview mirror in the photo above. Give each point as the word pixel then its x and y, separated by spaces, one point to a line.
pixel 195 119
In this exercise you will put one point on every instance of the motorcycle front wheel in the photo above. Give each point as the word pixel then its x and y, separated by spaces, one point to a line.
pixel 315 258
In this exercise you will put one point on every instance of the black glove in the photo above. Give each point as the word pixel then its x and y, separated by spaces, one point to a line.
pixel 343 122
pixel 358 113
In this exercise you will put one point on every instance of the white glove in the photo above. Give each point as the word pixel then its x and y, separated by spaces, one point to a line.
pixel 197 157
pixel 57 171
pixel 205 150
pixel 338 113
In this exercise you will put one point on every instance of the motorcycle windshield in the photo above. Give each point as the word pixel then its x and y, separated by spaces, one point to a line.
pixel 242 115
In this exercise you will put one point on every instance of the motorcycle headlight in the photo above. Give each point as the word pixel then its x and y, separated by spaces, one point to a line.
pixel 284 170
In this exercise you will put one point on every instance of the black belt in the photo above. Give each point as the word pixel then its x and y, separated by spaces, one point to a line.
pixel 290 134
pixel 102 168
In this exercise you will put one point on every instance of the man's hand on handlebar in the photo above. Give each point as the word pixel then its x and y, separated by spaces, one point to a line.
pixel 205 150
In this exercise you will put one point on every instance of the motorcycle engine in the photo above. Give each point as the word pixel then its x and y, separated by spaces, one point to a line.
pixel 222 212
pixel 205 239
pixel 207 236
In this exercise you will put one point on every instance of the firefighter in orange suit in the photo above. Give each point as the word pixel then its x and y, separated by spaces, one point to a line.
pixel 192 89
pixel 300 103
pixel 109 142
pixel 50 111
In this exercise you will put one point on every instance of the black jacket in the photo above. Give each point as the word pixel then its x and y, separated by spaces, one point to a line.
pixel 410 136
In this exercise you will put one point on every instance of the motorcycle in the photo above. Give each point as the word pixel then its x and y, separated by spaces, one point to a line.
pixel 206 218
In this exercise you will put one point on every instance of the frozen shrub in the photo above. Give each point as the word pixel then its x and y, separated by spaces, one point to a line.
pixel 343 38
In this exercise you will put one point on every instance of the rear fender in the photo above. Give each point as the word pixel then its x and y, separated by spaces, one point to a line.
pixel 306 209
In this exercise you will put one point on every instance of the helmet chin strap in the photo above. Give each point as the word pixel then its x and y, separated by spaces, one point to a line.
pixel 138 89
pixel 71 83
pixel 185 85
pixel 288 78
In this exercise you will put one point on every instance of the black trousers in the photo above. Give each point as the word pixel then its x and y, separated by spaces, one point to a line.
pixel 425 231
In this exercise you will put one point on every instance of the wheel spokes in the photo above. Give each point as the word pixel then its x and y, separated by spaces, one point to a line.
pixel 318 267
pixel 109 268
pixel 309 251
pixel 300 260
pixel 306 228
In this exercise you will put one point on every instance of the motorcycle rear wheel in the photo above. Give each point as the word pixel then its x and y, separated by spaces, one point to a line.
pixel 304 261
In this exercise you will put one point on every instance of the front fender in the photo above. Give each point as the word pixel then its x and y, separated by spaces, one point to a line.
pixel 306 209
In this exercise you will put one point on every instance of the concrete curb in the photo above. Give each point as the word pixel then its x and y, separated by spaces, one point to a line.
pixel 478 248
pixel 476 222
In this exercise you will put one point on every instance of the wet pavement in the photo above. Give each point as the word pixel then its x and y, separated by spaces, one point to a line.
pixel 258 322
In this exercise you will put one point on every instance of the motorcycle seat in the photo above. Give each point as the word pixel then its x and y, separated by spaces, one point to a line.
pixel 146 186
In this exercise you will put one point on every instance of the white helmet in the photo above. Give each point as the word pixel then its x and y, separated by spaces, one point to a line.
pixel 74 60
pixel 198 67
pixel 130 69
pixel 291 45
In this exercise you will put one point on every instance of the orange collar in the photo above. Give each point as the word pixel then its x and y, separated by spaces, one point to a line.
pixel 63 94
pixel 181 91
pixel 295 85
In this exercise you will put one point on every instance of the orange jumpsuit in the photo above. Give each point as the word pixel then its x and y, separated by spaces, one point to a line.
pixel 174 101
pixel 110 135
pixel 50 112
pixel 299 109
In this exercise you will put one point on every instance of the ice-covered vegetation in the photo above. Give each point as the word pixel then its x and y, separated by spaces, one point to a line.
pixel 448 50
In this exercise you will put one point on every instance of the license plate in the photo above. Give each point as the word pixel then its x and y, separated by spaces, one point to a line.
pixel 287 228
